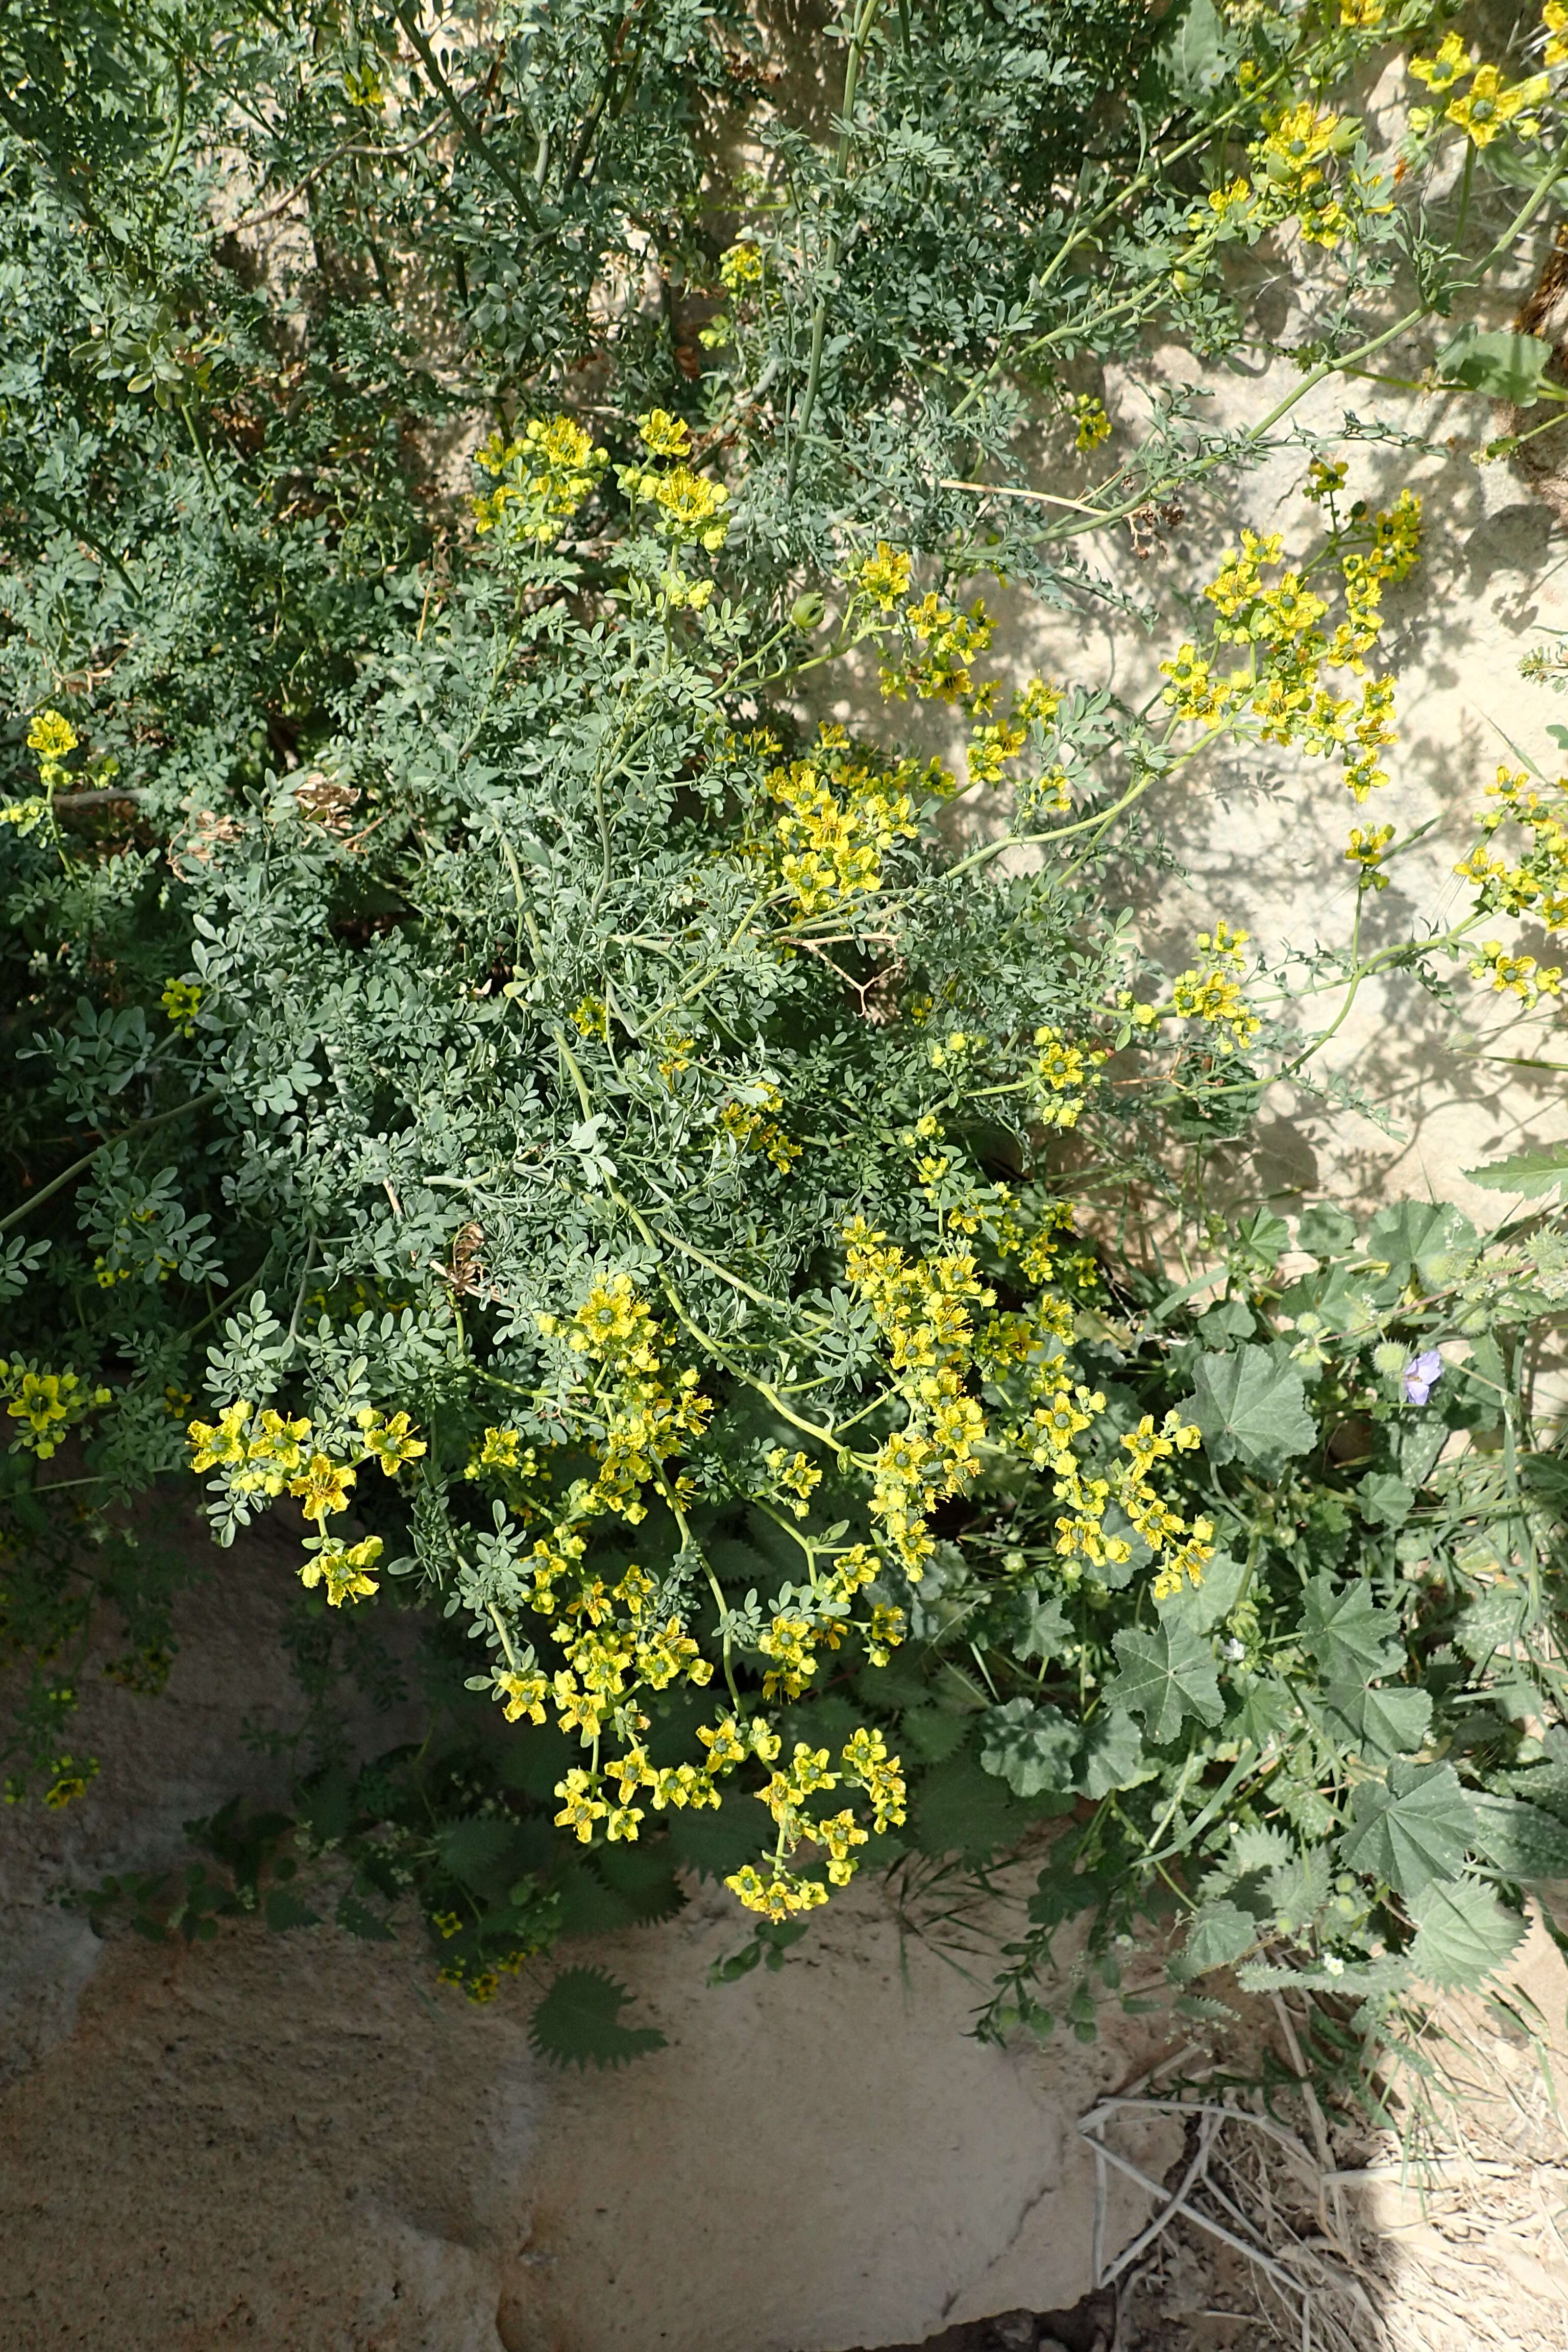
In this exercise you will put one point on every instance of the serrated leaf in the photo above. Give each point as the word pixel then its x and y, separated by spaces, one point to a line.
pixel 1297 1890
pixel 577 2024
pixel 1412 1831
pixel 476 1851
pixel 1251 1404
pixel 357 1918
pixel 1530 1175
pixel 1385 1722
pixel 1166 1675
pixel 284 1909
pixel 1258 1847
pixel 1112 1755
pixel 1199 2004
pixel 642 1875
pixel 1350 1635
pixel 1220 1934
pixel 716 1842
pixel 1524 1843
pixel 1463 1934
pixel 1029 1746
pixel 959 1809
pixel 933 1734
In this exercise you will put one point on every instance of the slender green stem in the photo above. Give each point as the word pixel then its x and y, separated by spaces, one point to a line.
pixel 68 1175
pixel 859 35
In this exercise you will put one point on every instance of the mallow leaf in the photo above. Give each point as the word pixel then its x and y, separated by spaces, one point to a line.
pixel 1029 1746
pixel 1251 1403
pixel 1350 1635
pixel 1112 1755
pixel 1413 1830
pixel 1166 1674
pixel 1385 1722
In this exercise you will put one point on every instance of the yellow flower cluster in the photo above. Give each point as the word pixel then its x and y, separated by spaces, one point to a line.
pixel 1281 690
pixel 51 735
pixel 1062 1077
pixel 1538 883
pixel 266 1452
pixel 1211 992
pixel 1093 425
pixel 867 1765
pixel 1291 164
pixel 751 1129
pixel 1490 104
pixel 839 813
pixel 46 1405
pixel 687 507
pixel 1514 975
pixel 940 645
pixel 541 479
pixel 741 266
pixel 883 577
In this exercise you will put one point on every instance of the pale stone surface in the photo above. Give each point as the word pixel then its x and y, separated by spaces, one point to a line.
pixel 305 2140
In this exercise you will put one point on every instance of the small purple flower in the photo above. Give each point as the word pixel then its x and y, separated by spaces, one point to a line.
pixel 1421 1375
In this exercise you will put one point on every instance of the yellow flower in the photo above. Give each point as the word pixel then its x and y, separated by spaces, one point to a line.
pixel 664 435
pixel 690 505
pixel 1490 105
pixel 1451 64
pixel 52 736
pixel 220 1444
pixel 344 1571
pixel 322 1487
pixel 741 266
pixel 581 1807
pixel 1093 423
pixel 1519 976
pixel 392 1442
pixel 779 1895
pixel 524 1695
pixel 1365 851
pixel 180 999
pixel 885 576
